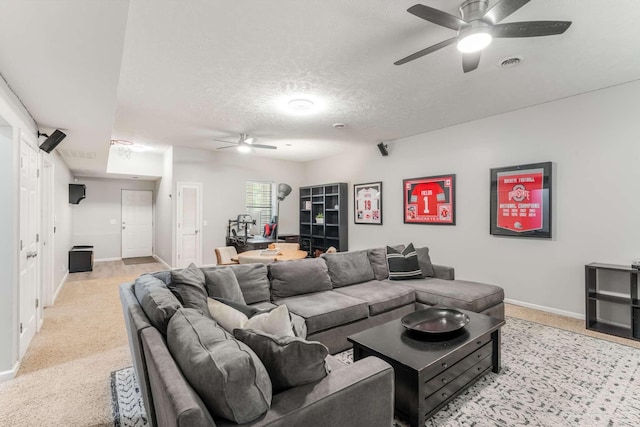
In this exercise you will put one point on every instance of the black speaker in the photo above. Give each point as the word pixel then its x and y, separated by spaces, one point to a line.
pixel 383 149
pixel 52 141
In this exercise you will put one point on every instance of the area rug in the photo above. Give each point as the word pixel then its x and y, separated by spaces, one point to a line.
pixel 549 377
pixel 139 260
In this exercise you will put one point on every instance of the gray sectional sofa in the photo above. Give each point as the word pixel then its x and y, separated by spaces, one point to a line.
pixel 329 298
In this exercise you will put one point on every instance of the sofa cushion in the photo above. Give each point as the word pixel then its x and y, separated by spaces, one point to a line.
pixel 378 261
pixel 298 277
pixel 462 294
pixel 227 375
pixel 222 283
pixel 424 261
pixel 290 361
pixel 381 296
pixel 324 310
pixel 157 301
pixel 403 265
pixel 348 268
pixel 253 281
pixel 188 286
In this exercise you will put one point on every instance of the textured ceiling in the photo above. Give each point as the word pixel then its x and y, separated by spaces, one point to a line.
pixel 183 73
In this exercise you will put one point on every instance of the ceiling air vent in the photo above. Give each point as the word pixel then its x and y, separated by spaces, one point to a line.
pixel 509 62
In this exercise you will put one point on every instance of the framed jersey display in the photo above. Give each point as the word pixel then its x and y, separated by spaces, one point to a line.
pixel 367 200
pixel 430 200
pixel 521 201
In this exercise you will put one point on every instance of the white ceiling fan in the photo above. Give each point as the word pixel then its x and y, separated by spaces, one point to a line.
pixel 245 144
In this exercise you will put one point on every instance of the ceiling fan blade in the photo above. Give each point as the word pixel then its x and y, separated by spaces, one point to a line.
pixel 426 51
pixel 271 147
pixel 437 16
pixel 470 61
pixel 226 142
pixel 231 146
pixel 530 29
pixel 503 9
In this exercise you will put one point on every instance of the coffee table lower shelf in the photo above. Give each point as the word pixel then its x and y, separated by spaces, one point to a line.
pixel 428 375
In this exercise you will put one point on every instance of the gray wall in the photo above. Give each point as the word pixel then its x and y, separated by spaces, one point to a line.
pixel 223 177
pixel 92 218
pixel 62 220
pixel 164 212
pixel 592 139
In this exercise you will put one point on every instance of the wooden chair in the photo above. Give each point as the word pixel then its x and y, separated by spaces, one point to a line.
pixel 224 255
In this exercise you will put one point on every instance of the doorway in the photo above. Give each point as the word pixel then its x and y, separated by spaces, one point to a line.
pixel 137 223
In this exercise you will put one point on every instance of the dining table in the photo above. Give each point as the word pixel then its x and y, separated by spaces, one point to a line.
pixel 280 255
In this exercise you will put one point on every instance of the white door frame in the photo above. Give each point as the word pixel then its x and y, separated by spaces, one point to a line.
pixel 180 185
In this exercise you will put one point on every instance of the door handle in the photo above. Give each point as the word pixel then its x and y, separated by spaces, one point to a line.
pixel 197 231
pixel 123 227
pixel 34 254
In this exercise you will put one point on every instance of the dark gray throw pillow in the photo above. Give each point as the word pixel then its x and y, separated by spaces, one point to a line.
pixel 424 260
pixel 227 375
pixel 221 282
pixel 403 266
pixel 290 361
pixel 157 301
pixel 188 286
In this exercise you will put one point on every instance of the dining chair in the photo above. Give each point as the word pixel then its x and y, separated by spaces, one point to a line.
pixel 225 254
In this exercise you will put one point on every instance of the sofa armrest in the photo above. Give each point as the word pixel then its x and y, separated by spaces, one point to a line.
pixel 444 272
pixel 176 403
pixel 360 394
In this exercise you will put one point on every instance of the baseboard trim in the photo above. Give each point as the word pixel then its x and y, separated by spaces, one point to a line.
pixel 161 261
pixel 107 259
pixel 546 309
pixel 10 374
pixel 60 285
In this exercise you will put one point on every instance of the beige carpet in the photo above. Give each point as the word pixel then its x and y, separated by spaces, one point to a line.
pixel 64 377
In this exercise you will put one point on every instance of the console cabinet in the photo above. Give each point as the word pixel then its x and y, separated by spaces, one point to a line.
pixel 598 292
pixel 331 201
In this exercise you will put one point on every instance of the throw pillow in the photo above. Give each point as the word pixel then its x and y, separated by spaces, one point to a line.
pixel 222 283
pixel 188 286
pixel 424 260
pixel 290 361
pixel 225 373
pixel 276 321
pixel 403 266
pixel 242 308
pixel 157 301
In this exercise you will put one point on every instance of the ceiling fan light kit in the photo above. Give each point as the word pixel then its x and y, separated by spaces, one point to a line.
pixel 477 26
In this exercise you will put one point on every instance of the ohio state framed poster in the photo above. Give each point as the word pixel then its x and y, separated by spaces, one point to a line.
pixel 367 199
pixel 521 201
pixel 430 200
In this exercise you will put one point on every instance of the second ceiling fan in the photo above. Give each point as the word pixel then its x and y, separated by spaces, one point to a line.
pixel 245 144
pixel 478 26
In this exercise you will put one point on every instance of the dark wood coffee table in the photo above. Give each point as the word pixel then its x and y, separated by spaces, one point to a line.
pixel 428 374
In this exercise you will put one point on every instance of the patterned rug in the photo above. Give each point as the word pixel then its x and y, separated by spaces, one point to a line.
pixel 549 377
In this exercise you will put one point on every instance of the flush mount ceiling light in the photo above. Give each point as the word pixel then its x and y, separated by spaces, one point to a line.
pixel 300 104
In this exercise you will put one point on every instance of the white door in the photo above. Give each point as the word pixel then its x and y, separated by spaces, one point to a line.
pixel 137 223
pixel 28 244
pixel 189 240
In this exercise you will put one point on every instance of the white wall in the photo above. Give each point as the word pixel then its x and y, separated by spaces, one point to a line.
pixel 592 140
pixel 62 220
pixel 164 212
pixel 224 177
pixel 146 164
pixel 97 220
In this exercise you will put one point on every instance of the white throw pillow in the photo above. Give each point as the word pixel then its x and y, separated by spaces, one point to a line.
pixel 275 322
pixel 227 317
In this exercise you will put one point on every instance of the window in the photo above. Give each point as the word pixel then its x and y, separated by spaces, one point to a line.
pixel 260 202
